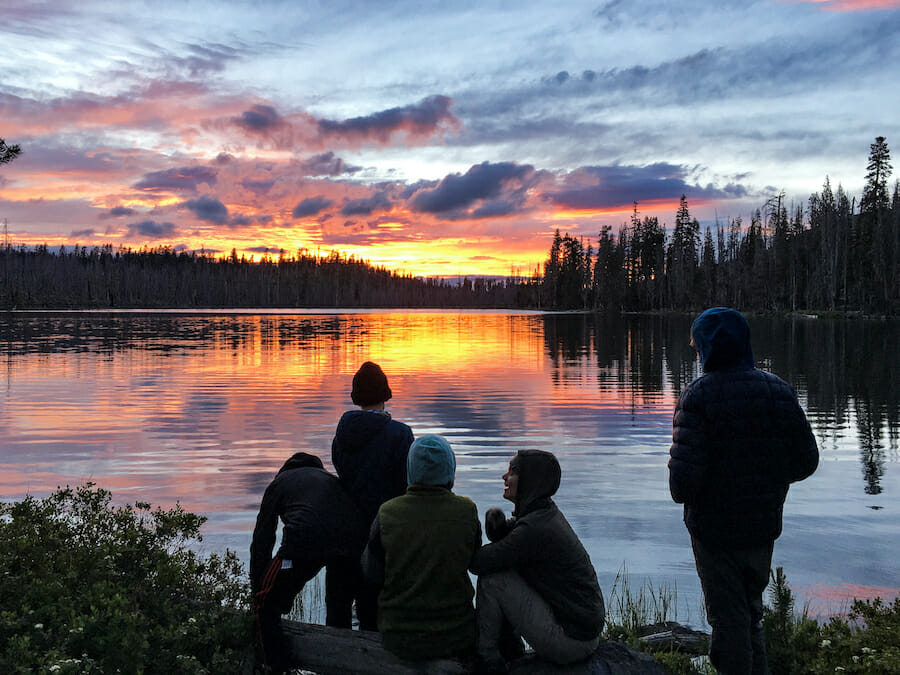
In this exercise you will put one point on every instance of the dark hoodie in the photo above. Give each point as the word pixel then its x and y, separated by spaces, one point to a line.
pixel 320 520
pixel 542 547
pixel 739 439
pixel 369 454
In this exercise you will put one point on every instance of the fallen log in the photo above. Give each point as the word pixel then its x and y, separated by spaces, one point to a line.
pixel 336 651
pixel 672 636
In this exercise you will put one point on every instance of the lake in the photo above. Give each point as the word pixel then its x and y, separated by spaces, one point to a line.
pixel 202 408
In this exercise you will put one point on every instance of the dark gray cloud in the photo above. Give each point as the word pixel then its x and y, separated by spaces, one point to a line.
pixel 76 234
pixel 599 187
pixel 311 206
pixel 421 119
pixel 483 181
pixel 366 205
pixel 259 119
pixel 152 229
pixel 183 178
pixel 326 164
pixel 209 209
pixel 118 211
pixel 259 187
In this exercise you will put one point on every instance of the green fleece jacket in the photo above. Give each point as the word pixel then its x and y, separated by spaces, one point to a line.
pixel 426 540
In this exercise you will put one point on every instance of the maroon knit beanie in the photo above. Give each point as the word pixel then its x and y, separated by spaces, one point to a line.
pixel 370 385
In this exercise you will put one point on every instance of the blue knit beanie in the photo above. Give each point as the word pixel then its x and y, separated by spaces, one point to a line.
pixel 430 461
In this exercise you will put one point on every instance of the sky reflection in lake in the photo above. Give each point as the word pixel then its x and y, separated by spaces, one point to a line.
pixel 202 408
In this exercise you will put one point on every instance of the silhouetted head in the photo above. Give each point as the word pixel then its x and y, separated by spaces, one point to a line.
pixel 370 385
pixel 721 337
pixel 431 461
pixel 537 476
pixel 300 460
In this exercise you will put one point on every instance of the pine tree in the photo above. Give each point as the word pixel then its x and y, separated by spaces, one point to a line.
pixel 875 193
pixel 8 152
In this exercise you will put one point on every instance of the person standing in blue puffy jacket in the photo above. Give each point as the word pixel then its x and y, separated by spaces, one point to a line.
pixel 739 439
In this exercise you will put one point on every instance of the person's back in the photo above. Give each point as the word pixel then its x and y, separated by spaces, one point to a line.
pixel 369 448
pixel 420 549
pixel 739 438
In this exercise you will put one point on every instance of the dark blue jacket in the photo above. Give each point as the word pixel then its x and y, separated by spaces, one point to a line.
pixel 369 454
pixel 739 439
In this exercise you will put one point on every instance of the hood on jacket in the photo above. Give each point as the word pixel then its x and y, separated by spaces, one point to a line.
pixel 357 427
pixel 539 477
pixel 300 460
pixel 721 336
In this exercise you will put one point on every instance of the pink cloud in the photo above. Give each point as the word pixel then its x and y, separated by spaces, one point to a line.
pixel 853 5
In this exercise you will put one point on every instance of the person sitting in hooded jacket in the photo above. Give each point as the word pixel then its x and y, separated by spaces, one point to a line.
pixel 322 527
pixel 420 548
pixel 369 455
pixel 535 579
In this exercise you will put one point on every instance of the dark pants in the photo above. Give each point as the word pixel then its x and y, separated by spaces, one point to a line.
pixel 279 587
pixel 733 581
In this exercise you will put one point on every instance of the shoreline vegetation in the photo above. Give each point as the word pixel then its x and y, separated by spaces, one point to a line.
pixel 832 257
pixel 90 587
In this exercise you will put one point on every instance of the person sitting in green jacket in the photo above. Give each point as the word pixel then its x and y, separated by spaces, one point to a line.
pixel 535 579
pixel 420 547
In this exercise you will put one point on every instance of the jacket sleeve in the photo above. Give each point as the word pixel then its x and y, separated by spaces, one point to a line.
pixel 689 454
pixel 805 456
pixel 511 551
pixel 263 538
pixel 373 557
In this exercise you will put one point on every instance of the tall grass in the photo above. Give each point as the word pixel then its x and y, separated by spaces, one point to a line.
pixel 631 608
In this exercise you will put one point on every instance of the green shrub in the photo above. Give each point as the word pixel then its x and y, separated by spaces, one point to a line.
pixel 89 587
pixel 863 641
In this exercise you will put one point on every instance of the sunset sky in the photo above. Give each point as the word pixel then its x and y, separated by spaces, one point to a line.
pixel 430 137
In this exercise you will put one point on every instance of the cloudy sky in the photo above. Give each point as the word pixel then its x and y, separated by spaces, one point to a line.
pixel 432 137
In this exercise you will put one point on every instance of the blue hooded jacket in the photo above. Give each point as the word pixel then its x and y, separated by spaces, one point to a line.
pixel 739 438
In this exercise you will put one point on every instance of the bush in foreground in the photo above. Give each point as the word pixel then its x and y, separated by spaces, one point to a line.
pixel 90 587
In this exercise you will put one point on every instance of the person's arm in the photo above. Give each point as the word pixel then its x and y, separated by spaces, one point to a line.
pixel 373 557
pixel 688 456
pixel 513 550
pixel 263 539
pixel 805 452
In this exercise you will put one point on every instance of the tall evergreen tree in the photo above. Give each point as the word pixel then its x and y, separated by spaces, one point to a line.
pixel 878 172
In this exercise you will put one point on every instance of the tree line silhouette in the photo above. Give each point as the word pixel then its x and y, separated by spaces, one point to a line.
pixel 835 254
pixel 101 277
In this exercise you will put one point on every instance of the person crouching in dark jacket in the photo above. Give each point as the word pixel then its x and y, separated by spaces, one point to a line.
pixel 420 548
pixel 739 438
pixel 535 580
pixel 322 527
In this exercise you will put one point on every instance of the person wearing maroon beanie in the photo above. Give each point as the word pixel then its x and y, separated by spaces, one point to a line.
pixel 369 454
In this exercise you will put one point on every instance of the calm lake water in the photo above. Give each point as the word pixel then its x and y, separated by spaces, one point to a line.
pixel 202 409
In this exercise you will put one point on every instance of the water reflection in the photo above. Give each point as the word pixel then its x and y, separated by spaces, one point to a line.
pixel 846 372
pixel 203 409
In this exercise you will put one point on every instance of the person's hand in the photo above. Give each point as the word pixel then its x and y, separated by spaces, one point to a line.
pixel 495 524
